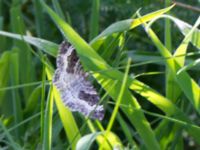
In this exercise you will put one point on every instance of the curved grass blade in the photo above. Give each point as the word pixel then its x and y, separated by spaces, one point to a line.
pixel 183 27
pixel 128 24
pixel 189 66
pixel 47 46
pixel 186 83
pixel 86 141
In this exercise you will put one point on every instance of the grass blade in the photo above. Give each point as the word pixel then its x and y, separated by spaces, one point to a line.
pixel 128 24
pixel 48 47
pixel 48 121
pixel 86 141
pixel 94 20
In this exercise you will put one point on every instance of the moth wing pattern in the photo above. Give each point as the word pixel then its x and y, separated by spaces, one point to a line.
pixel 76 91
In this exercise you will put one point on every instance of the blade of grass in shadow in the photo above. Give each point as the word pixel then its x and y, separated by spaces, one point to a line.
pixel 32 101
pixel 26 69
pixel 58 9
pixel 48 121
pixel 39 19
pixel 97 63
pixel 126 129
pixel 4 69
pixel 2 39
pixel 12 142
pixel 94 19
pixel 189 66
pixel 16 102
pixel 168 28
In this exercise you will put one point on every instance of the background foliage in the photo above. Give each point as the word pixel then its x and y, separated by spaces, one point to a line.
pixel 149 87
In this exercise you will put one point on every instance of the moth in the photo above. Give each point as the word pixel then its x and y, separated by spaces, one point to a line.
pixel 76 91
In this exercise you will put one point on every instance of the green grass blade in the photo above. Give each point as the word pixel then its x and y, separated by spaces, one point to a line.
pixel 119 99
pixel 126 129
pixel 183 27
pixel 94 19
pixel 86 141
pixel 168 43
pixel 47 143
pixel 16 102
pixel 171 85
pixel 181 50
pixel 190 88
pixel 189 66
pixel 48 47
pixel 58 9
pixel 164 104
pixel 4 69
pixel 32 103
pixel 128 24
pixel 2 39
pixel 39 18
pixel 27 73
pixel 42 101
pixel 183 79
pixel 175 64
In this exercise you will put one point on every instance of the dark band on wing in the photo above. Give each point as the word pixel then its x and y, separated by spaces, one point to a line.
pixel 91 99
pixel 64 47
pixel 72 60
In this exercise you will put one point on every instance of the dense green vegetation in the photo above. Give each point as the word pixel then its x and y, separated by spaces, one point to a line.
pixel 143 59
